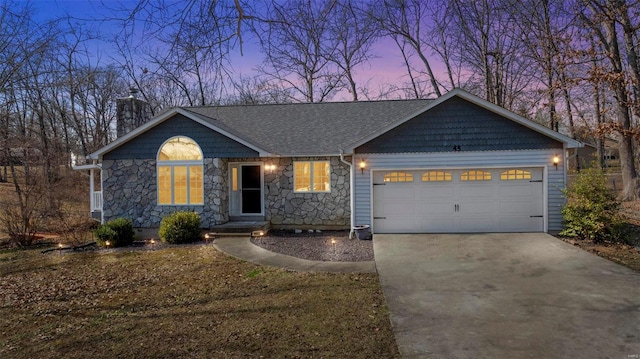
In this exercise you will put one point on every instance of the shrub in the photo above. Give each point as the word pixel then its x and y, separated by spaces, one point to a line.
pixel 119 232
pixel 592 211
pixel 180 227
pixel 104 234
pixel 20 225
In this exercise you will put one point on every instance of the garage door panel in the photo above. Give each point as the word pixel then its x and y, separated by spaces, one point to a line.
pixel 476 208
pixel 430 192
pixel 396 192
pixel 512 203
pixel 399 209
pixel 515 207
pixel 517 190
pixel 396 225
pixel 475 191
pixel 437 208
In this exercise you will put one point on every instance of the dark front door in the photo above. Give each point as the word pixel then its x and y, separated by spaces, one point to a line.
pixel 251 184
pixel 245 189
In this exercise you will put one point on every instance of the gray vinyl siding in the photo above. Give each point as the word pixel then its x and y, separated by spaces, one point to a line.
pixel 212 143
pixel 457 122
pixel 555 180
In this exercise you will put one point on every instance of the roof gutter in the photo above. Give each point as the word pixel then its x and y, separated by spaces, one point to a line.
pixel 352 202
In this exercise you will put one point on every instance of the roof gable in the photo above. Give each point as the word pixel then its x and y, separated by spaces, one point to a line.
pixel 457 124
pixel 166 116
pixel 480 104
pixel 212 143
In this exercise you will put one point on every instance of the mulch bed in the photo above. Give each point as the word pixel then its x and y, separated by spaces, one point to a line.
pixel 330 246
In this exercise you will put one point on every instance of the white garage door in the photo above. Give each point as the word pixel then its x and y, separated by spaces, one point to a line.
pixel 458 201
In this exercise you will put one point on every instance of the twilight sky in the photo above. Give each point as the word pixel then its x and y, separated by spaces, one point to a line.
pixel 385 68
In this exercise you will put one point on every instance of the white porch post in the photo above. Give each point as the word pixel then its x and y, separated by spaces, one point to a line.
pixel 91 190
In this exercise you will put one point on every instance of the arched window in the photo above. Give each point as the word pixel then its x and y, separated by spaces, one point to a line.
pixel 180 172
pixel 398 177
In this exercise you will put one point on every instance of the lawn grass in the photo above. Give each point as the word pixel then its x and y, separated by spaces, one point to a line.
pixel 186 301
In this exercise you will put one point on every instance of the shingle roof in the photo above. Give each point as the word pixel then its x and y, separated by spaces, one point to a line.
pixel 307 129
pixel 318 129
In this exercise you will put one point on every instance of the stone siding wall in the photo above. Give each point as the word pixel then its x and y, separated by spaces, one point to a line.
pixel 286 208
pixel 130 191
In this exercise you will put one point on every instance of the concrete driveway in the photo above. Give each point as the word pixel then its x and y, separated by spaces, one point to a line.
pixel 524 295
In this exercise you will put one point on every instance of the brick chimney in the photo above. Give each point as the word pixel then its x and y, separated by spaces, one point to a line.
pixel 132 113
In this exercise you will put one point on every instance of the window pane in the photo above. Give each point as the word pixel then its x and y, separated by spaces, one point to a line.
pixel 515 175
pixel 195 185
pixel 321 176
pixel 164 185
pixel 301 176
pixel 433 176
pixel 398 177
pixel 234 179
pixel 476 176
pixel 180 149
pixel 180 185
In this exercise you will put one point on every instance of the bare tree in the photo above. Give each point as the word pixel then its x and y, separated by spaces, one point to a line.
pixel 545 26
pixel 605 19
pixel 299 49
pixel 490 49
pixel 355 32
pixel 179 53
pixel 408 19
pixel 29 133
pixel 256 90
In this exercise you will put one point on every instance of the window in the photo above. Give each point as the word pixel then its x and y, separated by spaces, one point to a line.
pixel 311 176
pixel 510 175
pixel 398 177
pixel 475 176
pixel 180 174
pixel 434 176
pixel 234 179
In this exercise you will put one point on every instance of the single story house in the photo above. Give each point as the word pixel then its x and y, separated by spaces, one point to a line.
pixel 453 164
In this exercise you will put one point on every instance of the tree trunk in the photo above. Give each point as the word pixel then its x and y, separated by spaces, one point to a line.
pixel 627 162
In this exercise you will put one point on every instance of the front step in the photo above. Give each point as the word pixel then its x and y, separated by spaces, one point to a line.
pixel 240 228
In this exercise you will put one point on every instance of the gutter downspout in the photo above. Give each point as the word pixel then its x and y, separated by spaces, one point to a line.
pixel 351 193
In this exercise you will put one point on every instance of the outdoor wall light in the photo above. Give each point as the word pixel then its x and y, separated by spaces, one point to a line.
pixel 556 160
pixel 363 165
pixel 270 167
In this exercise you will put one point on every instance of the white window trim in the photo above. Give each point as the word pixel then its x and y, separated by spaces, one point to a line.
pixel 311 190
pixel 172 165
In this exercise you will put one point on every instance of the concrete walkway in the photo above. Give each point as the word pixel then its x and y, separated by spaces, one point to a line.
pixel 242 248
pixel 506 296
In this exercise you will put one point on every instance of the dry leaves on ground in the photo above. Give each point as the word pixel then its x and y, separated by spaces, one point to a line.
pixel 184 301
